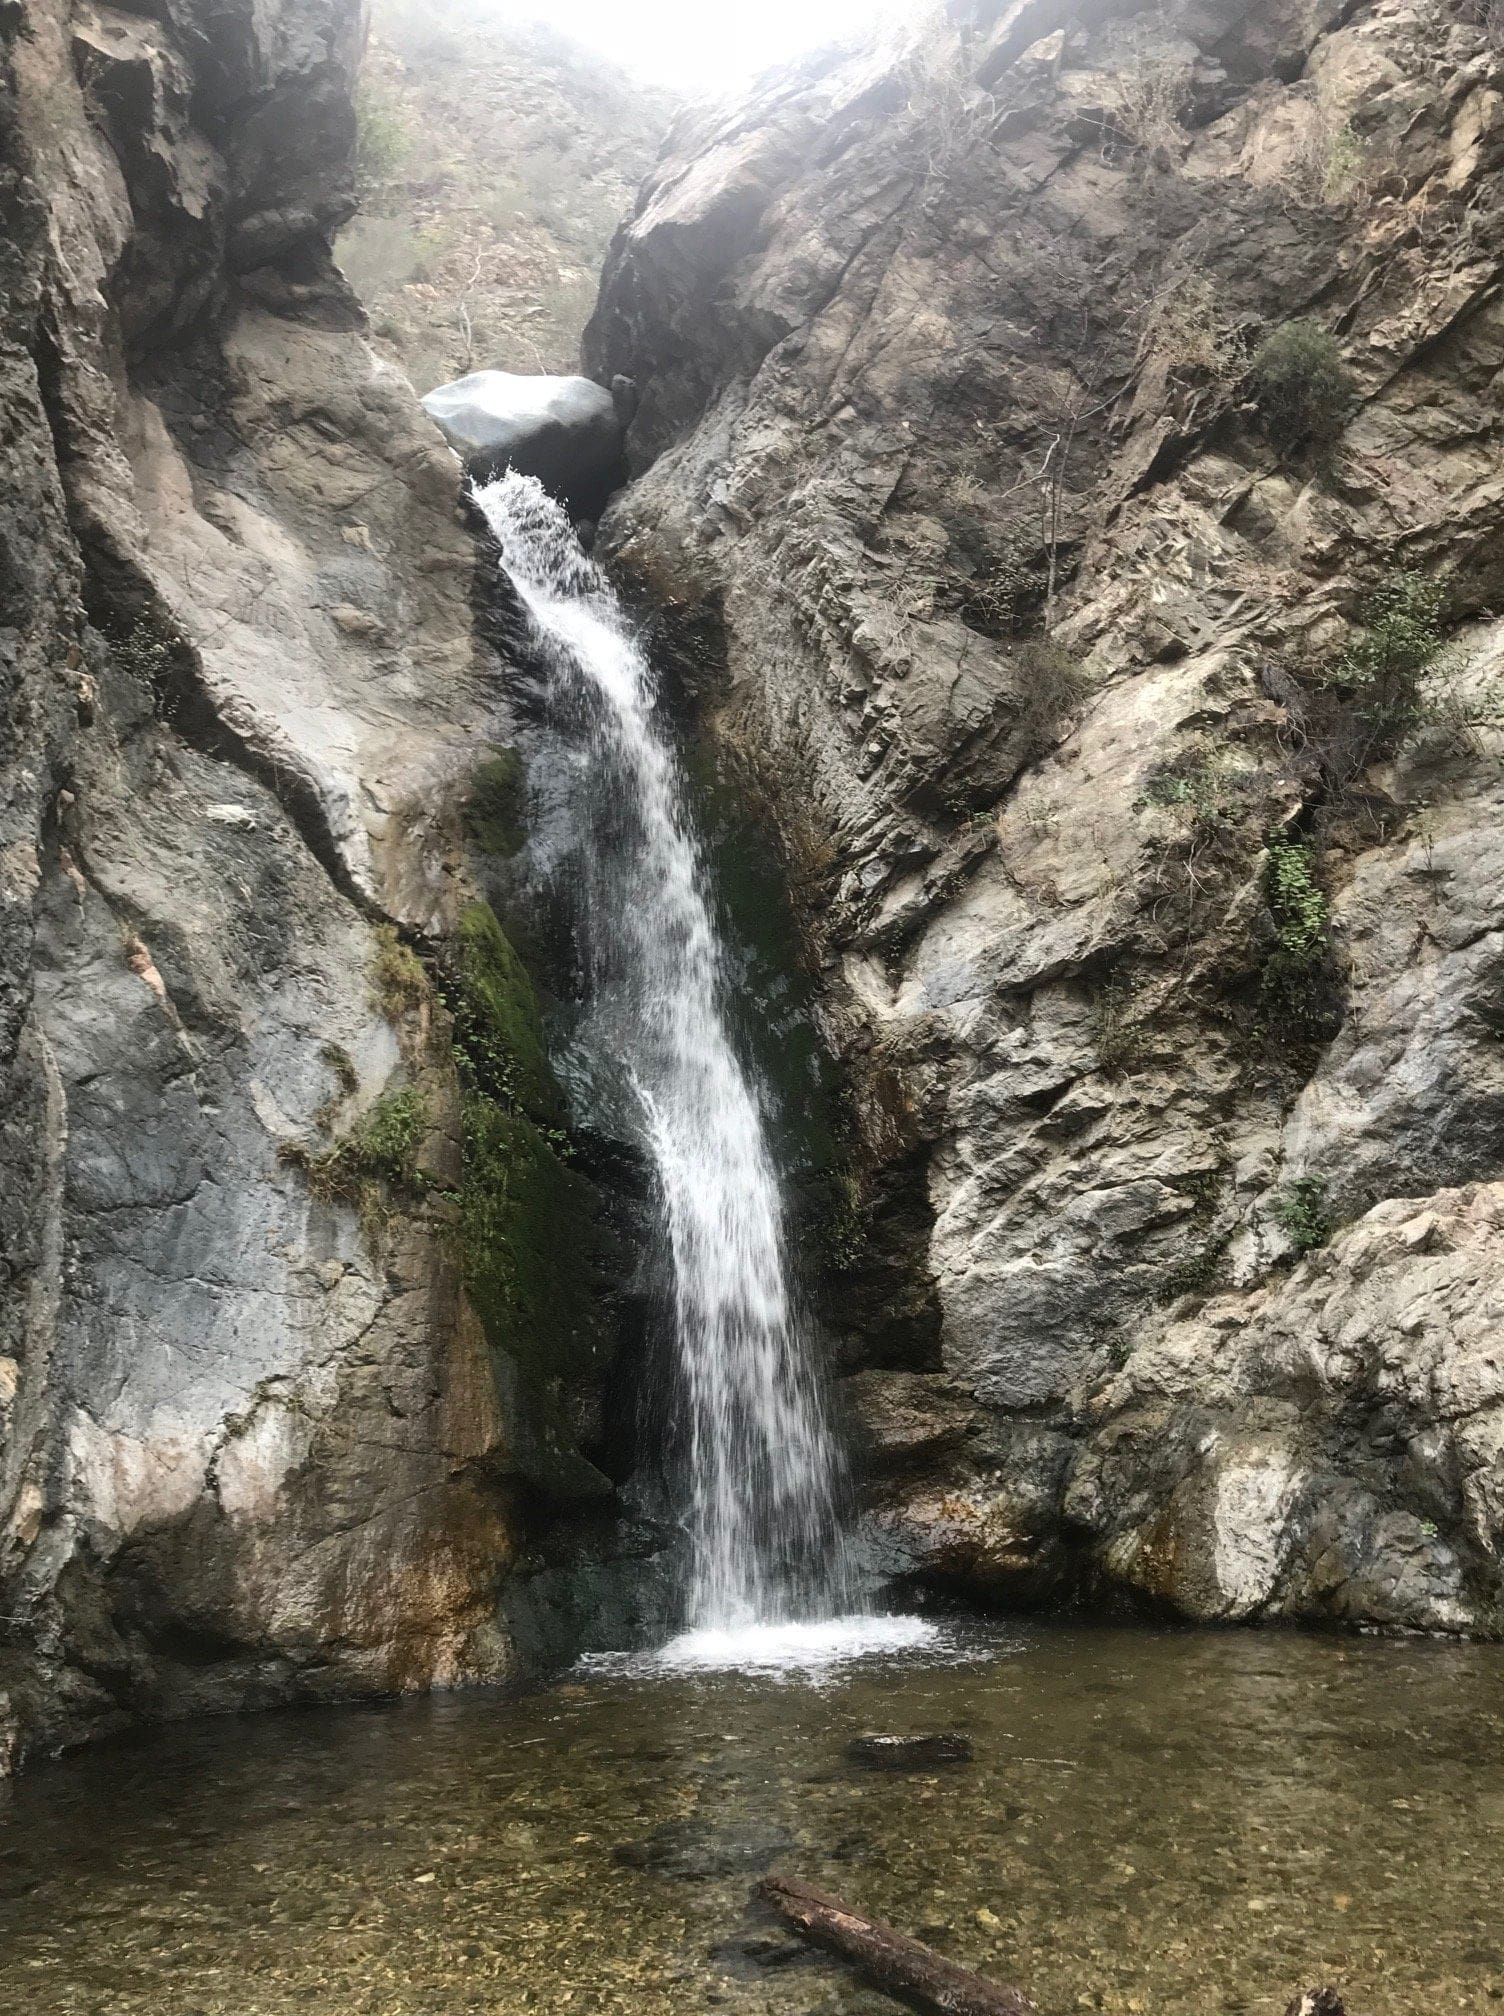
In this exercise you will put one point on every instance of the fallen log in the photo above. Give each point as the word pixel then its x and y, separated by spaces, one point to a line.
pixel 890 1960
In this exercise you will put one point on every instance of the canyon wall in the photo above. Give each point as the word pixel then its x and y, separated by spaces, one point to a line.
pixel 283 1352
pixel 1117 664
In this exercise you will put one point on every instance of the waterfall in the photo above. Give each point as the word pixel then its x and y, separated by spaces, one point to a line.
pixel 766 1545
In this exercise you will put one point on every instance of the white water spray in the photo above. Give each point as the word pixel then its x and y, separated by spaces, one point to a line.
pixel 765 1532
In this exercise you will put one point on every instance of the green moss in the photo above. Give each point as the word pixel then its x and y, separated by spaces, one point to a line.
pixel 532 1250
pixel 498 1032
pixel 494 822
pixel 530 1244
pixel 834 1233
pixel 1197 1272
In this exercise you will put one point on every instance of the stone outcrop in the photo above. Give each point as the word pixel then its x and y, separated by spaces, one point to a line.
pixel 257 1441
pixel 1165 961
pixel 564 431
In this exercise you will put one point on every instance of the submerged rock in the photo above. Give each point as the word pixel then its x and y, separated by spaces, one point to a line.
pixel 567 432
pixel 695 1851
pixel 909 1753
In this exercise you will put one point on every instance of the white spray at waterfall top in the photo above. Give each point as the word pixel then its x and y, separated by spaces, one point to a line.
pixel 762 1468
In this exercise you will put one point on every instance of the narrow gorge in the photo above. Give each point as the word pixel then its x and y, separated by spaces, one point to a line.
pixel 780 1049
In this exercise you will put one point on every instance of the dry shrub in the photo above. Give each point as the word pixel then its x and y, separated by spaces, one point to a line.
pixel 1004 597
pixel 1302 388
pixel 1153 88
pixel 1051 688
pixel 1330 164
pixel 1186 330
pixel 943 108
pixel 1487 15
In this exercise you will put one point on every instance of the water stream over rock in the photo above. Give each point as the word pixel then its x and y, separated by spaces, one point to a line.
pixel 762 1468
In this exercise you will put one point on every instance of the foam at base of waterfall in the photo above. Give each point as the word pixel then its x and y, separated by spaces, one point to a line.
pixel 811 1647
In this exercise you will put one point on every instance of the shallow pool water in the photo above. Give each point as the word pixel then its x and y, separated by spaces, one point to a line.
pixel 1172 1823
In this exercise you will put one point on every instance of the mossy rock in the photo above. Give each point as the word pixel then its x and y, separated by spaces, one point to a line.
pixel 533 1258
pixel 494 821
pixel 498 1031
pixel 533 1251
pixel 531 1245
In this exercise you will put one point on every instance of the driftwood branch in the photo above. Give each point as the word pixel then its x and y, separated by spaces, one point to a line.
pixel 889 1959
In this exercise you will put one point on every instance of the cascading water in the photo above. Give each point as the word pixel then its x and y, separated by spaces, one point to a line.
pixel 762 1466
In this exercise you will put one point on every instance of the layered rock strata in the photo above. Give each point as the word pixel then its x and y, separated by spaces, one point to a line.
pixel 1163 951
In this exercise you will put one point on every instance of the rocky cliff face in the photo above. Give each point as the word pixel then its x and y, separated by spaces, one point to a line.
pixel 1117 663
pixel 272 1102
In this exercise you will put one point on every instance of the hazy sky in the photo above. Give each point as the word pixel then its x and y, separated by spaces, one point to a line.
pixel 701 45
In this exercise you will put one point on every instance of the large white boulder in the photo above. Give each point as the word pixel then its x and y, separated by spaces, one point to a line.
pixel 565 431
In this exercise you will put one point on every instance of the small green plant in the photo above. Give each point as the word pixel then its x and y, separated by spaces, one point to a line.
pixel 1296 899
pixel 1386 665
pixel 1344 167
pixel 1198 788
pixel 1291 992
pixel 378 1154
pixel 1301 387
pixel 1300 1209
pixel 1328 162
pixel 398 980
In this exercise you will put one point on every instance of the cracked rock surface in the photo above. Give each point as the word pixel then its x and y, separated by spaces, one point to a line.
pixel 251 1447
pixel 1027 619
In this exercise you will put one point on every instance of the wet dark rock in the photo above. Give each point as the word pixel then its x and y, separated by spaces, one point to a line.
pixel 757 1953
pixel 696 1851
pixel 909 1753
